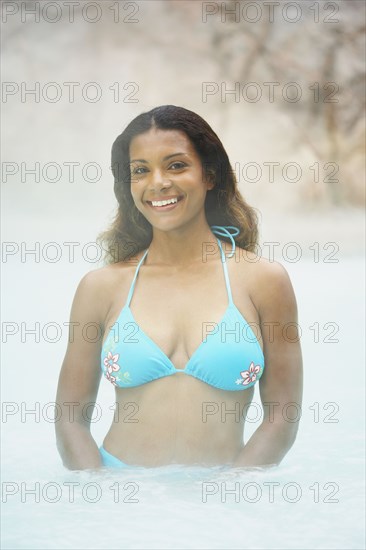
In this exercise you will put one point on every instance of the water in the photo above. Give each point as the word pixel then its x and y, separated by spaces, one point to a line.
pixel 314 499
pixel 288 507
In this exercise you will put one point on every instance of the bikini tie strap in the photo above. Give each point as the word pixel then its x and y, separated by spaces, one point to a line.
pixel 223 231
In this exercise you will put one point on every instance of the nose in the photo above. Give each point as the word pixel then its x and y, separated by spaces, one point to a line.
pixel 159 181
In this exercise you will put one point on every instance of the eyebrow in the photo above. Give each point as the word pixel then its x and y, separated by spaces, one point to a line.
pixel 165 158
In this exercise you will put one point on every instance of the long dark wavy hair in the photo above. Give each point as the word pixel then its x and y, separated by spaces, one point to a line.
pixel 130 232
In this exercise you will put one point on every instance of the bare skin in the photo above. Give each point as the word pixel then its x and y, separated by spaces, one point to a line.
pixel 181 419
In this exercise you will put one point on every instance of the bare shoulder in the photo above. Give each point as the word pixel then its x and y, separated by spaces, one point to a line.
pixel 270 283
pixel 96 281
pixel 96 288
pixel 264 269
pixel 101 278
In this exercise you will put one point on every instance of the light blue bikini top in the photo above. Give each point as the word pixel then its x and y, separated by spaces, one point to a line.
pixel 229 357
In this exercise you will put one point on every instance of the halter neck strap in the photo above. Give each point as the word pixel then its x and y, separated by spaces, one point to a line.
pixel 223 231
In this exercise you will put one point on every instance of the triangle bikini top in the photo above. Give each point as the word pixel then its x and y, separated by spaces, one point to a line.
pixel 228 358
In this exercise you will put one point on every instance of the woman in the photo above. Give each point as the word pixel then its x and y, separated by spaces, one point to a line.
pixel 190 317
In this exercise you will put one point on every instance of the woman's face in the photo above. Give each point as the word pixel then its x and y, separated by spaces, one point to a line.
pixel 164 165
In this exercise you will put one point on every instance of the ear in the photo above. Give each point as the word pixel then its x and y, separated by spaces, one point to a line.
pixel 210 179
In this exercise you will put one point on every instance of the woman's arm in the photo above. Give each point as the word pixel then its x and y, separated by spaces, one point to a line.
pixel 281 383
pixel 80 377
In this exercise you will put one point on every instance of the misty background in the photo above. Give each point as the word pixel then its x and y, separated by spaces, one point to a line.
pixel 294 130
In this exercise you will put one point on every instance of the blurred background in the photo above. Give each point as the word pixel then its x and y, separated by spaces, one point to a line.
pixel 282 84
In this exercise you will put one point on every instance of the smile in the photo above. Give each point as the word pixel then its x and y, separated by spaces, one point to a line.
pixel 165 204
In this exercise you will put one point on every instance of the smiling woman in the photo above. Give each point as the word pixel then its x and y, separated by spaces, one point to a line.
pixel 171 346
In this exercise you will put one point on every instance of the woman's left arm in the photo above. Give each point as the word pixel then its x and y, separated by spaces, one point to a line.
pixel 281 383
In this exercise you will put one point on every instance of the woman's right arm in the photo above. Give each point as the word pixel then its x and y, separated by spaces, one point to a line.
pixel 80 377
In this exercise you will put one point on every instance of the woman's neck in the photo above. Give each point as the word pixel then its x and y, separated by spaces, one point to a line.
pixel 183 246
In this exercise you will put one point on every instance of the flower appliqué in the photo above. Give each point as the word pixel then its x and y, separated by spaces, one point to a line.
pixel 250 375
pixel 111 366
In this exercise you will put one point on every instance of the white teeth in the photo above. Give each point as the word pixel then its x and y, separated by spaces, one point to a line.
pixel 163 203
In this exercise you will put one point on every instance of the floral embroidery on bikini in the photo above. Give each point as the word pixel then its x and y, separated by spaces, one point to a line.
pixel 111 366
pixel 250 375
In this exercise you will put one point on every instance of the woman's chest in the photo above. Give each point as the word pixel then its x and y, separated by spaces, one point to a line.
pixel 178 310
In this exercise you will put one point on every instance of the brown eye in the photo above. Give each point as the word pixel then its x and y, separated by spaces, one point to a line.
pixel 177 165
pixel 138 170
